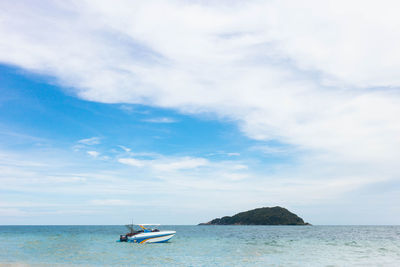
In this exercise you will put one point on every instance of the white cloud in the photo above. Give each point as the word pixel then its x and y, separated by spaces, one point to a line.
pixel 126 108
pixel 94 154
pixel 132 162
pixel 181 164
pixel 239 167
pixel 160 120
pixel 167 164
pixel 90 141
pixel 126 149
pixel 268 149
pixel 300 75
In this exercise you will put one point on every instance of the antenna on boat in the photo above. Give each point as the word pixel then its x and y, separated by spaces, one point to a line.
pixel 130 227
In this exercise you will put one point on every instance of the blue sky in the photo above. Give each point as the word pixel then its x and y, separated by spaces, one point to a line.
pixel 180 112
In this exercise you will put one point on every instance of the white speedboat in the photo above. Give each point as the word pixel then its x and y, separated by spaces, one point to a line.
pixel 146 235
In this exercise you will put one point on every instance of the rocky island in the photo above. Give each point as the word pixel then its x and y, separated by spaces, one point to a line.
pixel 260 216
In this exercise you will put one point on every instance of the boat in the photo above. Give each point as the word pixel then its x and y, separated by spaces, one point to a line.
pixel 146 235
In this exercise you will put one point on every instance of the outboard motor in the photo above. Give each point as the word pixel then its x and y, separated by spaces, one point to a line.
pixel 123 238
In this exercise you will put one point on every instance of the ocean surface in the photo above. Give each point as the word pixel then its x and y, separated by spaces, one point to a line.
pixel 203 246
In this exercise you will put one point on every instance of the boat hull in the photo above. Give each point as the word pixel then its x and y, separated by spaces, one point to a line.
pixel 152 237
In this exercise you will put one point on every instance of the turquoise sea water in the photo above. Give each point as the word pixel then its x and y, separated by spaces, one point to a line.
pixel 203 246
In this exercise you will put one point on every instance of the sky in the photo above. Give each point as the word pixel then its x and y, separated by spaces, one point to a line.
pixel 178 112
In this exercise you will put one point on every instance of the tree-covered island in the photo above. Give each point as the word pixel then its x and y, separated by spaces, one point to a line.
pixel 260 216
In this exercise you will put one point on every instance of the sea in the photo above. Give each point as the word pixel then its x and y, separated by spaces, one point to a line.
pixel 202 246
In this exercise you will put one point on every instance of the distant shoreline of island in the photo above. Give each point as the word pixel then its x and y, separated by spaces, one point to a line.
pixel 260 216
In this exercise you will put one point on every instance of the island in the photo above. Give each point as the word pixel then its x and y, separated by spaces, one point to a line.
pixel 260 216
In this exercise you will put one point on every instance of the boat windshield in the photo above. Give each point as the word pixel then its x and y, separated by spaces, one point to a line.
pixel 147 230
pixel 144 228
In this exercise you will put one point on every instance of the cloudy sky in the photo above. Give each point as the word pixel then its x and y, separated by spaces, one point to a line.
pixel 177 112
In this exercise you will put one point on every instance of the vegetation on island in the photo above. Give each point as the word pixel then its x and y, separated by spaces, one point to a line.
pixel 260 216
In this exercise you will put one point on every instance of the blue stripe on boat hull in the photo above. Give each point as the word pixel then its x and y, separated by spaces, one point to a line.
pixel 138 240
pixel 165 241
